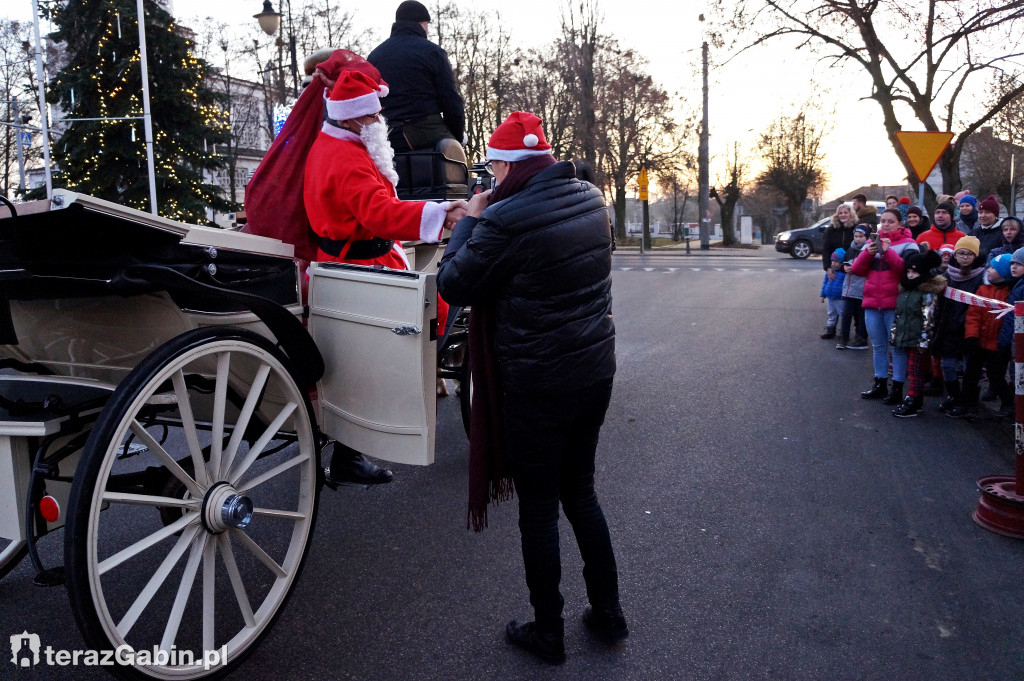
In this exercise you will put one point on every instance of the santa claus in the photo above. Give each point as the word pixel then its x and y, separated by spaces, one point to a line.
pixel 350 184
pixel 350 199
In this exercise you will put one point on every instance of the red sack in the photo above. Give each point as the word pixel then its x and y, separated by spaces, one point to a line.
pixel 273 197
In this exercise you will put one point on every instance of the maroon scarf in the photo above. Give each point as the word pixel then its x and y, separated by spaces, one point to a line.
pixel 490 480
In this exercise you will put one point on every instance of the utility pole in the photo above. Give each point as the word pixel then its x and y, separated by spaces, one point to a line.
pixel 20 132
pixel 702 159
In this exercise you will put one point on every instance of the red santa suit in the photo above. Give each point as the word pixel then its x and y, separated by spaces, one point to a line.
pixel 350 202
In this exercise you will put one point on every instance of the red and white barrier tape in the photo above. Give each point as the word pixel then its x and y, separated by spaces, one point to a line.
pixel 996 307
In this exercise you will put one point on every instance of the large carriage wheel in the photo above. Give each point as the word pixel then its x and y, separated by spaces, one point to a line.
pixel 193 505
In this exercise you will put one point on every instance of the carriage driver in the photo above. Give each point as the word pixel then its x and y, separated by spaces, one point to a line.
pixel 350 199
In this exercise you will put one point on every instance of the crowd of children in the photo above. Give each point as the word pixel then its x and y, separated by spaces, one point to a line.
pixel 887 286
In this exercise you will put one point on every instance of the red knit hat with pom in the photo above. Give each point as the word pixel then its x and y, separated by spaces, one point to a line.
pixel 519 137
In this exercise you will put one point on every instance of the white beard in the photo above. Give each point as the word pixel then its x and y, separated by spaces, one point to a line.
pixel 375 137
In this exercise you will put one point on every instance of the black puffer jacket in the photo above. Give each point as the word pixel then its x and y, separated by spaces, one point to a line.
pixel 542 257
pixel 419 78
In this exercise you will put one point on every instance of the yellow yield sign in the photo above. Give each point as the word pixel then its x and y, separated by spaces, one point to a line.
pixel 923 149
pixel 643 183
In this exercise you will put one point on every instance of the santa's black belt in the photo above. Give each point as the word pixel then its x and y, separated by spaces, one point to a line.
pixel 361 249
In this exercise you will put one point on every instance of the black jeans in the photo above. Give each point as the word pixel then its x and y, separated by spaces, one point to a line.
pixel 422 133
pixel 994 362
pixel 853 313
pixel 551 441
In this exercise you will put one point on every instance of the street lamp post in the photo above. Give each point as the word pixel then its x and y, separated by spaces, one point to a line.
pixel 270 21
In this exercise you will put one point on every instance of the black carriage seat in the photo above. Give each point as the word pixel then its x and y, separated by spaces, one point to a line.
pixel 440 174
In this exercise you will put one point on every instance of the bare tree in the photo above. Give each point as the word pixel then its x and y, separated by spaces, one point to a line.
pixel 634 119
pixel 581 40
pixel 794 162
pixel 541 84
pixel 932 78
pixel 481 57
pixel 18 103
pixel 729 195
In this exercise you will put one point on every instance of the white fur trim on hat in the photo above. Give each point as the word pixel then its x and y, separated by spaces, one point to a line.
pixel 512 155
pixel 344 110
pixel 383 90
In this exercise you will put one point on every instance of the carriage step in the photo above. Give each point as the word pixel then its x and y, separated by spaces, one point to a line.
pixel 52 577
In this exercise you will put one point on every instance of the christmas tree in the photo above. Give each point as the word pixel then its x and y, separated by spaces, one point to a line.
pixel 103 79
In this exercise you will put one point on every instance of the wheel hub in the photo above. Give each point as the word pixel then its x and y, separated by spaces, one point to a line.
pixel 224 508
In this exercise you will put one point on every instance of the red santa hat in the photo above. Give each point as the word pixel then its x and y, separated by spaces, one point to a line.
pixel 519 137
pixel 355 94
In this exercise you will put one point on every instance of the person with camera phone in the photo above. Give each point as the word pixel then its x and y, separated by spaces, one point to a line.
pixel 881 263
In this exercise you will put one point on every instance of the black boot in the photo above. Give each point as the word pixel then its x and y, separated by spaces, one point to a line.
pixel 911 406
pixel 348 465
pixel 952 396
pixel 879 389
pixel 547 645
pixel 608 623
pixel 895 395
pixel 830 332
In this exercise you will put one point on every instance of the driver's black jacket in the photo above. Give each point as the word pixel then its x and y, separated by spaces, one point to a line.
pixel 419 78
pixel 542 259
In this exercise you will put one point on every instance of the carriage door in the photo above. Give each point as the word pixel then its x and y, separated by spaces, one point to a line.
pixel 377 331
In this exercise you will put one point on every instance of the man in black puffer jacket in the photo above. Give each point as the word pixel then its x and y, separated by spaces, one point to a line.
pixel 424 105
pixel 537 260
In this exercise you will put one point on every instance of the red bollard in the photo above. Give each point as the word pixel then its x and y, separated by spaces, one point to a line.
pixel 1001 506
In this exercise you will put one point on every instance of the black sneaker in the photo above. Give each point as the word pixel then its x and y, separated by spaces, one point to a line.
pixel 840 345
pixel 609 624
pixel 549 647
pixel 857 344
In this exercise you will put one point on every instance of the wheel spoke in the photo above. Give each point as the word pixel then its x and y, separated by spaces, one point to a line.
pixel 251 400
pixel 272 473
pixel 143 544
pixel 188 579
pixel 173 466
pixel 275 513
pixel 255 550
pixel 150 500
pixel 227 552
pixel 156 581
pixel 257 447
pixel 188 425
pixel 209 595
pixel 220 399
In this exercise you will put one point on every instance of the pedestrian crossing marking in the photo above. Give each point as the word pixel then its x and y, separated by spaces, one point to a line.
pixel 695 269
pixel 648 269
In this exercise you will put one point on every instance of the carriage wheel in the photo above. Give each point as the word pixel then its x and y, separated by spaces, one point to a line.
pixel 11 553
pixel 207 568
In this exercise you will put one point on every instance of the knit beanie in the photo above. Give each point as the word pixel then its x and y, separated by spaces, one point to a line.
pixel 968 243
pixel 915 210
pixel 904 199
pixel 1018 256
pixel 863 229
pixel 410 10
pixel 990 203
pixel 839 254
pixel 948 207
pixel 1001 264
pixel 971 200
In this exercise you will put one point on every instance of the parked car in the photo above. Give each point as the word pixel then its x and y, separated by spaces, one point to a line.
pixel 801 243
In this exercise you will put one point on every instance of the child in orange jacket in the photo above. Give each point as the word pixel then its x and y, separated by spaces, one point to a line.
pixel 981 343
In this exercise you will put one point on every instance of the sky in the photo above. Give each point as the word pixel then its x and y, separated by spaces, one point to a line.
pixel 745 95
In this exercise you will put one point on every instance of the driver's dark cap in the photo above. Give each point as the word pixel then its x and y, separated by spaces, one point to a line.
pixel 410 10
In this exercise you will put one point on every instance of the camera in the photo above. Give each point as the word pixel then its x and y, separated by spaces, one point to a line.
pixel 481 179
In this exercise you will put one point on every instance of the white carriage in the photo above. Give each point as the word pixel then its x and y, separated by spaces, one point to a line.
pixel 163 402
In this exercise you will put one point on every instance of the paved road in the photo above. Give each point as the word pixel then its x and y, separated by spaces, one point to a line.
pixel 769 523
